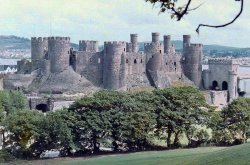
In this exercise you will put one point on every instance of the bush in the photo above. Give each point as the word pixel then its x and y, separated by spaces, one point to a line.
pixel 5 156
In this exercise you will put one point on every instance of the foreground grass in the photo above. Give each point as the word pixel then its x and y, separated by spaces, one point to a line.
pixel 237 155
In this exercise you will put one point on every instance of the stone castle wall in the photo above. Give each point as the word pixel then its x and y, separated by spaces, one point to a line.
pixel 90 65
pixel 88 46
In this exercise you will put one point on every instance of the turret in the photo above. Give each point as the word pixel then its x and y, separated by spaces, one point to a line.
pixel 113 65
pixel 192 54
pixel 59 52
pixel 155 37
pixel 88 46
pixel 186 40
pixel 134 41
pixel 39 48
pixel 167 43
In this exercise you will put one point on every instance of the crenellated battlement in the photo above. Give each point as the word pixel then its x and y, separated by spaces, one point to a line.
pixel 67 39
pixel 39 39
pixel 194 45
pixel 88 42
pixel 167 36
pixel 223 61
pixel 152 44
pixel 114 43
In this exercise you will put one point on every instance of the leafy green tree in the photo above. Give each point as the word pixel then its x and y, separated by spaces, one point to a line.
pixel 178 109
pixel 23 127
pixel 237 118
pixel 118 115
pixel 12 100
pixel 54 133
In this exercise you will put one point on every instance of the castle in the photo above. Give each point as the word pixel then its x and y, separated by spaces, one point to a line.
pixel 57 69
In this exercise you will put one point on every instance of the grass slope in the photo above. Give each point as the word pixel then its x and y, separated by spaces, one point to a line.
pixel 237 155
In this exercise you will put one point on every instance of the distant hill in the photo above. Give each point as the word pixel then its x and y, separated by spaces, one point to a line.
pixel 14 42
pixel 179 46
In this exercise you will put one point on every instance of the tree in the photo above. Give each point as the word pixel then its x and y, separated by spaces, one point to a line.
pixel 54 133
pixel 178 109
pixel 23 127
pixel 118 116
pixel 12 100
pixel 178 12
pixel 237 118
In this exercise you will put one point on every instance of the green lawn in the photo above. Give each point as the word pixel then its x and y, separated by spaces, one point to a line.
pixel 237 155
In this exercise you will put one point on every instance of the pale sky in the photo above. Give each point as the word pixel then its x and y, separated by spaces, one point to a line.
pixel 114 20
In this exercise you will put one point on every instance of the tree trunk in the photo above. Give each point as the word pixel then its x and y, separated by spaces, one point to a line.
pixel 169 134
pixel 94 141
pixel 176 138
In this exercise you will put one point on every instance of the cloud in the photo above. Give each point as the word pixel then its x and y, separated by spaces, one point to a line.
pixel 115 19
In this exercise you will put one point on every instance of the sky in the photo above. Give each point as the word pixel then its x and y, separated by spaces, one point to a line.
pixel 115 20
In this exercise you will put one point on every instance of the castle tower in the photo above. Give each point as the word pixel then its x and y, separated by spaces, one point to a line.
pixel 39 47
pixel 155 63
pixel 59 52
pixel 192 55
pixel 167 43
pixel 154 47
pixel 186 40
pixel 88 46
pixel 156 37
pixel 113 77
pixel 134 41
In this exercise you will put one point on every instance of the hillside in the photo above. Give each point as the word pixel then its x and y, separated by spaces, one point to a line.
pixel 14 42
pixel 179 45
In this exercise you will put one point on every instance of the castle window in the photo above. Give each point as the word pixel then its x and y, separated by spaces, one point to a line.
pixel 224 85
pixel 135 61
pixel 215 85
pixel 174 63
pixel 127 61
pixel 99 61
pixel 166 63
pixel 124 49
pixel 160 51
pixel 141 61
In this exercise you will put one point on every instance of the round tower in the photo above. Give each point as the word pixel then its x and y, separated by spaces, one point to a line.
pixel 186 40
pixel 155 37
pixel 192 64
pixel 167 43
pixel 155 62
pixel 59 52
pixel 39 47
pixel 88 46
pixel 134 41
pixel 113 52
